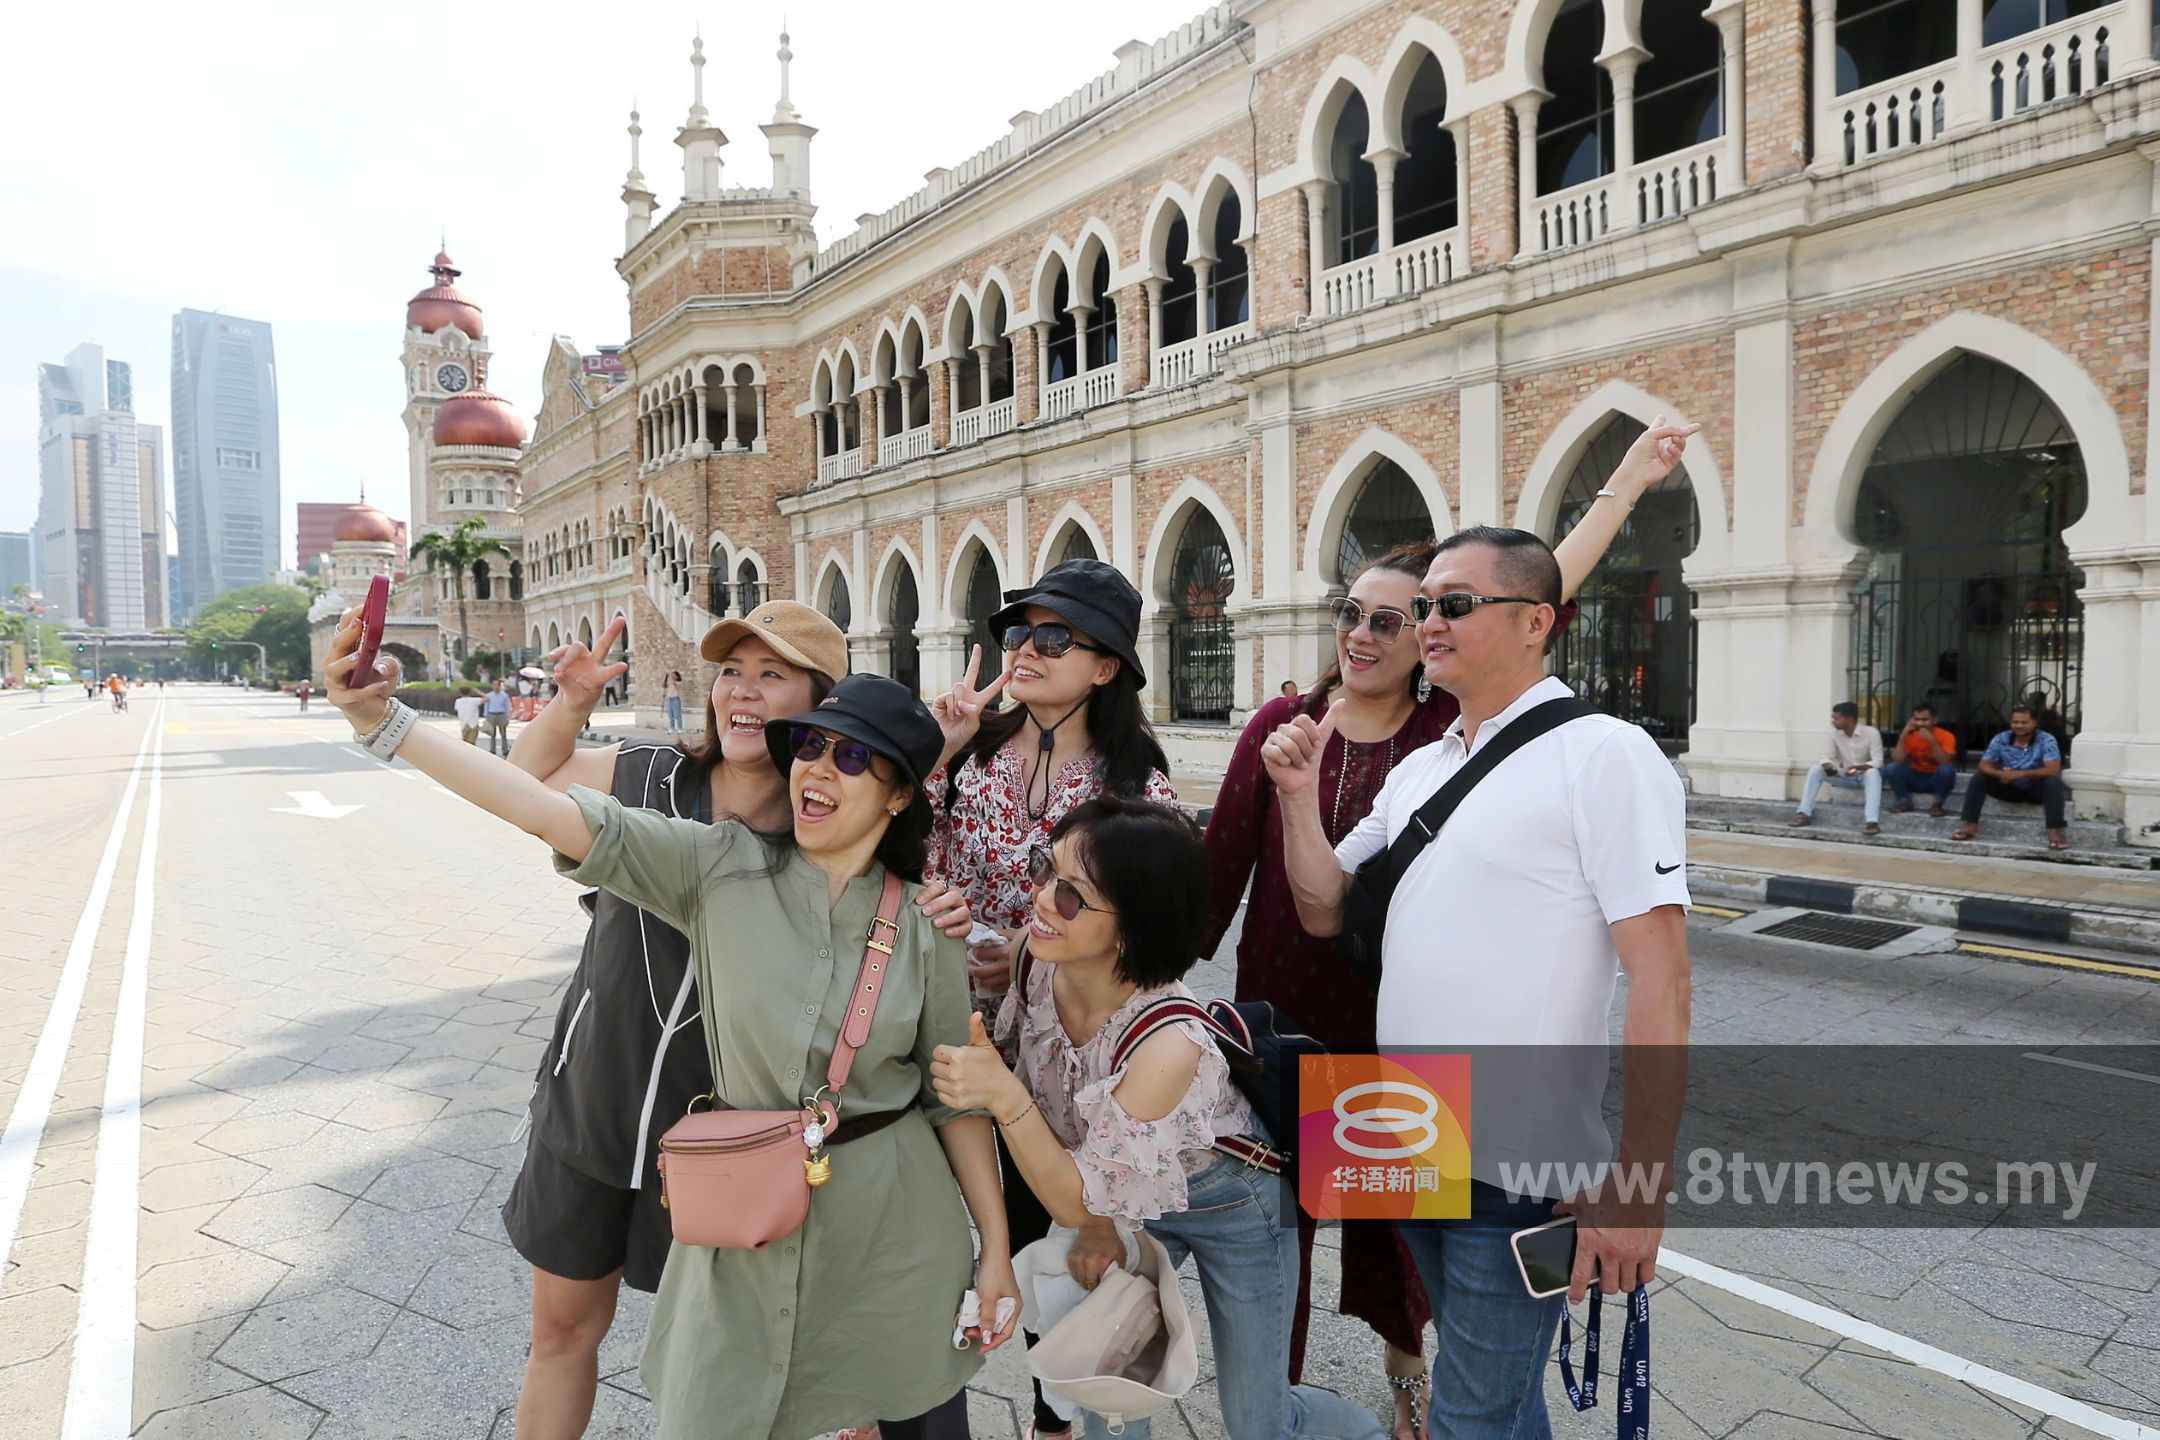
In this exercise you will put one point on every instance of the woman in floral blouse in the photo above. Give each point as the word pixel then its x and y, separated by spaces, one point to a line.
pixel 1390 711
pixel 1074 730
pixel 1117 914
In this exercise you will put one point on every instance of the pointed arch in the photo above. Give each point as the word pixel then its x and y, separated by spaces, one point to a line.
pixel 821 382
pixel 886 342
pixel 1225 177
pixel 898 555
pixel 1070 516
pixel 1842 458
pixel 1161 549
pixel 832 566
pixel 1043 278
pixel 1339 492
pixel 1343 78
pixel 1524 65
pixel 1096 234
pixel 1420 36
pixel 961 304
pixel 853 358
pixel 1171 203
pixel 1538 507
pixel 958 573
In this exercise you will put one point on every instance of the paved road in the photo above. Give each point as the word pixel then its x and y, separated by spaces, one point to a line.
pixel 331 982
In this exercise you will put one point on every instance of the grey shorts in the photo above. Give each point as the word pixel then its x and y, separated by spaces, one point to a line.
pixel 567 1223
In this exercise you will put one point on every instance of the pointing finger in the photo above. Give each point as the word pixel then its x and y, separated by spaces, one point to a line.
pixel 1327 721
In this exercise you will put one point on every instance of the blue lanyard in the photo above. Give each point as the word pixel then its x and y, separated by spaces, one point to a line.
pixel 1634 1363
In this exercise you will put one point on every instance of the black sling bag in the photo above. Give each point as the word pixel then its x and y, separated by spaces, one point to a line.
pixel 1365 902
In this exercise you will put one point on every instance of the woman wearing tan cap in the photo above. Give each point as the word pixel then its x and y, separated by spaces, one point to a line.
pixel 629 1049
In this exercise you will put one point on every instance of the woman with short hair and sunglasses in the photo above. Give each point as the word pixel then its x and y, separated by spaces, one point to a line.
pixel 1073 729
pixel 1388 711
pixel 1158 1137
pixel 850 1316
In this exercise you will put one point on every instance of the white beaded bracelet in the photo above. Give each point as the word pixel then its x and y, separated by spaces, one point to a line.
pixel 382 742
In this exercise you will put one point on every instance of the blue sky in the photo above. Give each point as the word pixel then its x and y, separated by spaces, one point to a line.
pixel 295 164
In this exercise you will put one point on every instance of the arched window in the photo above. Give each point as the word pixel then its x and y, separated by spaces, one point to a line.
pixel 1077 546
pixel 998 381
pixel 554 636
pixel 716 580
pixel 1679 90
pixel 1203 651
pixel 1575 126
pixel 837 608
pixel 715 379
pixel 918 382
pixel 1102 335
pixel 1355 207
pixel 2007 19
pixel 1064 350
pixel 517 580
pixel 482 589
pixel 848 419
pixel 1230 283
pixel 1631 650
pixel 1425 198
pixel 985 597
pixel 968 394
pixel 901 617
pixel 744 387
pixel 1388 512
pixel 1882 41
pixel 1180 298
pixel 749 592
pixel 825 401
pixel 1970 602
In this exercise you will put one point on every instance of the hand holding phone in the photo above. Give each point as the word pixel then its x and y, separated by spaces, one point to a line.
pixel 1545 1256
pixel 373 614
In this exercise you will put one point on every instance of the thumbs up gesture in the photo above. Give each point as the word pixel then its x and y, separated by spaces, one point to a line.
pixel 1293 753
pixel 973 1076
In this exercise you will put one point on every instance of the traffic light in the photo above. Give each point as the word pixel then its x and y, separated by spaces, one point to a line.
pixel 80 648
pixel 213 644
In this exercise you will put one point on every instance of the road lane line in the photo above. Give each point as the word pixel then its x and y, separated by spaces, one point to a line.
pixel 2046 1059
pixel 1904 1347
pixel 2067 962
pixel 34 1102
pixel 61 715
pixel 101 1380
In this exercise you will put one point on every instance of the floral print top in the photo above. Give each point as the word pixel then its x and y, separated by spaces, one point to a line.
pixel 1130 1169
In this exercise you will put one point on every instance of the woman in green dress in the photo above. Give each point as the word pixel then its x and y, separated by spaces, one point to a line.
pixel 851 1317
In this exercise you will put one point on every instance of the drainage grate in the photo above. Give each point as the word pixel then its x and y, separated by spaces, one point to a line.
pixel 1842 930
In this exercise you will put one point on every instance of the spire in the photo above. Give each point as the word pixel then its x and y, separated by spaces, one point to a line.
pixel 636 178
pixel 637 200
pixel 699 119
pixel 784 112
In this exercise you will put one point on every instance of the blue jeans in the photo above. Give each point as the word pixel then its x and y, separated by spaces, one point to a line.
pixel 1248 1263
pixel 1904 781
pixel 674 713
pixel 1869 782
pixel 1488 1370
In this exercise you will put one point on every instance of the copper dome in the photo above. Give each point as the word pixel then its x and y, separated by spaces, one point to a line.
pixel 363 522
pixel 443 304
pixel 479 418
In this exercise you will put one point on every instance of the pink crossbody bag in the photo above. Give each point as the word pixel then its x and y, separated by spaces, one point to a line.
pixel 741 1179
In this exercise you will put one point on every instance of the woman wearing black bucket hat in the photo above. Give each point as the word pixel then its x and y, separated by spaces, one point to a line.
pixel 1074 729
pixel 866 1290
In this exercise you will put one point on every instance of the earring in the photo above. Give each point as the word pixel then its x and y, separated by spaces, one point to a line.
pixel 1424 689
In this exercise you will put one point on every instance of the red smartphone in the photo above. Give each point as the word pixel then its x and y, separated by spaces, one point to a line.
pixel 372 616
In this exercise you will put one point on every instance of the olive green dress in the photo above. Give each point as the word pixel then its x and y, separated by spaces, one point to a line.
pixel 849 1320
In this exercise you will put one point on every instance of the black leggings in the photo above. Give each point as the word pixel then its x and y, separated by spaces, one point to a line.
pixel 1026 1221
pixel 946 1421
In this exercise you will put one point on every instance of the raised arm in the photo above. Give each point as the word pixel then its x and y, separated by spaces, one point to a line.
pixel 1317 880
pixel 1653 456
pixel 546 747
pixel 466 771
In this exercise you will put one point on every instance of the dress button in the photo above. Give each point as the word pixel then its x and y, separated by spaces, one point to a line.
pixel 785 1311
pixel 809 1009
pixel 790 1250
pixel 794 1074
pixel 824 954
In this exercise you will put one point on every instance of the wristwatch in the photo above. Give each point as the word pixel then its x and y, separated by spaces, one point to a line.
pixel 382 742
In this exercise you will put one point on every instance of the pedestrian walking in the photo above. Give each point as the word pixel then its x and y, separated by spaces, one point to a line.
pixel 1151 1134
pixel 1074 730
pixel 2023 766
pixel 496 712
pixel 305 691
pixel 1389 710
pixel 775 1342
pixel 467 709
pixel 674 702
pixel 1561 865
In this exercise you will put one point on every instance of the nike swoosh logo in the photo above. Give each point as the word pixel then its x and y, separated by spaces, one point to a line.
pixel 1665 869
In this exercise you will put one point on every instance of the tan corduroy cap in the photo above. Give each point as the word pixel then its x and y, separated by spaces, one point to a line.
pixel 799 634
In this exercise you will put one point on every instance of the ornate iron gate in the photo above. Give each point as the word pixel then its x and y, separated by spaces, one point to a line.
pixel 905 657
pixel 1203 647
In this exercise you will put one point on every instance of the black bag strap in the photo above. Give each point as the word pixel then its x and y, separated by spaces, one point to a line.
pixel 1425 824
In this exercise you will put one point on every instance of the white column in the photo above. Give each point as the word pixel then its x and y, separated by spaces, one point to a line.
pixel 1526 188
pixel 877 416
pixel 1315 240
pixel 907 390
pixel 1621 66
pixel 760 413
pixel 1203 269
pixel 1384 163
pixel 1082 314
pixel 982 374
pixel 817 431
pixel 1829 138
pixel 1732 34
pixel 1460 129
pixel 697 414
pixel 1154 322
pixel 728 441
pixel 2133 43
pixel 1042 361
pixel 1969 94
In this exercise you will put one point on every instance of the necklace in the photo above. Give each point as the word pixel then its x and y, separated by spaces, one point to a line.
pixel 1041 764
pixel 1342 782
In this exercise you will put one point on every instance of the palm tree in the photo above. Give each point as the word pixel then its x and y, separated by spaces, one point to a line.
pixel 457 550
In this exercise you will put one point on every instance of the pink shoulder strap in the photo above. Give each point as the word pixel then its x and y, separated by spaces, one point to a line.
pixel 869 985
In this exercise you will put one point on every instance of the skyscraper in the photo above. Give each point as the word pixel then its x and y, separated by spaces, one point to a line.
pixel 101 501
pixel 15 563
pixel 225 455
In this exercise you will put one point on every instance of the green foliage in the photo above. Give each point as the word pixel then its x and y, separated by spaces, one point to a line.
pixel 272 616
pixel 495 662
pixel 457 550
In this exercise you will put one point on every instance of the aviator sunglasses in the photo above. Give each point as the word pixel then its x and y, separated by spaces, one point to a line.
pixel 850 757
pixel 1065 898
pixel 1385 622
pixel 1457 604
pixel 1051 639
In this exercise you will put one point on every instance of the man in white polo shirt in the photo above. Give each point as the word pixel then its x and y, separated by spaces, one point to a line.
pixel 1565 862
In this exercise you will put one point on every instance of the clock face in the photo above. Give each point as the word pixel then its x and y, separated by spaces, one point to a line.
pixel 452 378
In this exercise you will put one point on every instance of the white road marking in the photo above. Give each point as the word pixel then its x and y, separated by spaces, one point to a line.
pixel 1904 1347
pixel 62 714
pixel 2065 1060
pixel 101 1381
pixel 33 1103
pixel 314 805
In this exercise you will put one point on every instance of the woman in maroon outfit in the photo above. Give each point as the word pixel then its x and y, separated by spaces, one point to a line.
pixel 1390 710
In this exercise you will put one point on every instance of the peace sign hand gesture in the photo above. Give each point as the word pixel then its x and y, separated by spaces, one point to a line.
pixel 579 675
pixel 959 710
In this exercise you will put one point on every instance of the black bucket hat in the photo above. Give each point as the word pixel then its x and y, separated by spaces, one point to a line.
pixel 1088 595
pixel 882 713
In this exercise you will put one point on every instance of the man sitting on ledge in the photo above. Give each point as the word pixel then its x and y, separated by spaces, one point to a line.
pixel 2022 765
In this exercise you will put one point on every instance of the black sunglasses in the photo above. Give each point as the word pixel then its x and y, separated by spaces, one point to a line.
pixel 1457 604
pixel 1065 897
pixel 1385 621
pixel 850 757
pixel 1052 639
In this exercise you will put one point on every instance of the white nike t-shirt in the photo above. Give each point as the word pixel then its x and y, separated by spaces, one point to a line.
pixel 1498 934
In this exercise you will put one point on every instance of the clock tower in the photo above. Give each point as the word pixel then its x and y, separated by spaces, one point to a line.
pixel 446 354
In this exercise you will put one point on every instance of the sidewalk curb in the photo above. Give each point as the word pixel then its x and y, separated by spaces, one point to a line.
pixel 2029 920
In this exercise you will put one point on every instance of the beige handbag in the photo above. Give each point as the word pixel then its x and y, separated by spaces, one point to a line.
pixel 741 1179
pixel 1127 1350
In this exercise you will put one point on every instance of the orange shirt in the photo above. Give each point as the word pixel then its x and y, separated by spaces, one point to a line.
pixel 1928 764
pixel 114 684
